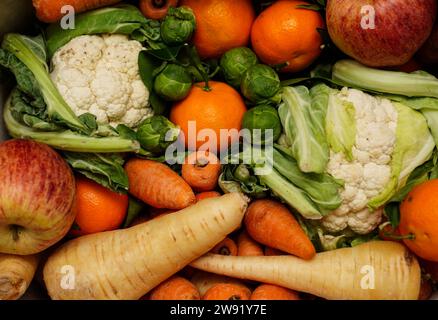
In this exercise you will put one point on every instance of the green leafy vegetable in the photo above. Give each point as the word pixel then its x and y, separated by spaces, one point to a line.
pixel 322 189
pixel 234 64
pixel 341 125
pixel 241 178
pixel 302 115
pixel 173 83
pixel 178 26
pixel 427 171
pixel 260 119
pixel 353 74
pixel 122 19
pixel 413 147
pixel 65 139
pixel 135 207
pixel 105 169
pixel 157 133
pixel 30 53
pixel 147 66
pixel 261 84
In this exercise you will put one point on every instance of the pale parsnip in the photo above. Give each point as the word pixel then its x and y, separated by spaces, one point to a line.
pixel 126 264
pixel 339 274
pixel 16 273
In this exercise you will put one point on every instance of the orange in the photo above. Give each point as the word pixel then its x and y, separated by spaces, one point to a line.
pixel 98 208
pixel 419 217
pixel 221 25
pixel 218 110
pixel 284 33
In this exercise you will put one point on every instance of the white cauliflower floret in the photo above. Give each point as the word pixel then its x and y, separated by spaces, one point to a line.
pixel 100 75
pixel 369 172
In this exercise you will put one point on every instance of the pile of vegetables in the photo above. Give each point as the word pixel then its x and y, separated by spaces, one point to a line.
pixel 299 204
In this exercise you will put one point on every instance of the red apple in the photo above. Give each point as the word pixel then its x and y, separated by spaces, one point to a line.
pixel 428 53
pixel 37 191
pixel 380 33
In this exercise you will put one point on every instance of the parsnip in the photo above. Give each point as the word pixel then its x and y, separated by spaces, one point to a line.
pixel 376 270
pixel 126 264
pixel 16 274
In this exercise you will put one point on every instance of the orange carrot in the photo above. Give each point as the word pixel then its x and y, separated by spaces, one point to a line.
pixel 274 252
pixel 156 9
pixel 271 223
pixel 157 185
pixel 201 170
pixel 226 248
pixel 175 288
pixel 207 194
pixel 246 246
pixel 227 291
pixel 272 292
pixel 51 10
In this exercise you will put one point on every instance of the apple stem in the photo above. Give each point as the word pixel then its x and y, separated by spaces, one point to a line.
pixel 15 231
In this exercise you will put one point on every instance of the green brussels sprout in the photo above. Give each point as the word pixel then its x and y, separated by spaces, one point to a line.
pixel 261 84
pixel 262 117
pixel 178 26
pixel 235 62
pixel 156 133
pixel 173 83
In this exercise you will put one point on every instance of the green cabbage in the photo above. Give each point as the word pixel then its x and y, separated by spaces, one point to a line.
pixel 302 113
pixel 341 125
pixel 414 146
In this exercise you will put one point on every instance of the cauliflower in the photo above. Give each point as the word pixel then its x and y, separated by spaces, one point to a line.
pixel 369 171
pixel 99 74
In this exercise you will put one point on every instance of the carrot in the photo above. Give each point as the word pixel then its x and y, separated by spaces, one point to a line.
pixel 374 270
pixel 205 280
pixel 272 292
pixel 226 247
pixel 128 263
pixel 207 194
pixel 16 274
pixel 201 170
pixel 272 224
pixel 274 252
pixel 227 291
pixel 51 10
pixel 156 9
pixel 246 246
pixel 157 185
pixel 175 288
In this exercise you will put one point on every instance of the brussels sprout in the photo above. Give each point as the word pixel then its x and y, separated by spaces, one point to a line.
pixel 173 83
pixel 235 62
pixel 261 84
pixel 262 117
pixel 156 133
pixel 178 26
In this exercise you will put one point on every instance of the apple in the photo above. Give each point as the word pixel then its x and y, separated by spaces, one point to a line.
pixel 37 191
pixel 380 33
pixel 428 54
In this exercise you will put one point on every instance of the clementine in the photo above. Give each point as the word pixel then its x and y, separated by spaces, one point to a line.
pixel 97 208
pixel 221 25
pixel 284 33
pixel 215 112
pixel 419 217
